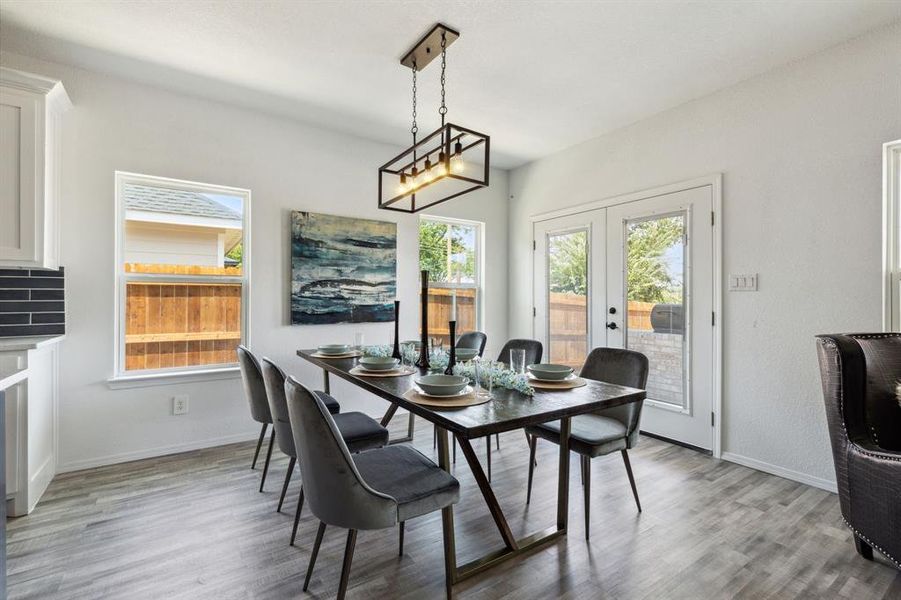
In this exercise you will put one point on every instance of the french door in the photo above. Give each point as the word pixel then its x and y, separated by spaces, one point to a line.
pixel 636 275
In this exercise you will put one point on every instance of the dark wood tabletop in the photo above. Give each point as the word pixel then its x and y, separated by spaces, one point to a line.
pixel 508 410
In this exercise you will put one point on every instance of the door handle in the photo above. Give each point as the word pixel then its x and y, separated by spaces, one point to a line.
pixel 611 325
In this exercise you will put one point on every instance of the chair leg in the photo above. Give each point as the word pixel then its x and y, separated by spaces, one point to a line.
pixel 281 500
pixel 863 548
pixel 497 439
pixel 454 461
pixel 268 458
pixel 400 540
pixel 434 437
pixel 488 452
pixel 586 480
pixel 348 558
pixel 297 516
pixel 631 478
pixel 256 454
pixel 319 534
pixel 529 441
pixel 533 442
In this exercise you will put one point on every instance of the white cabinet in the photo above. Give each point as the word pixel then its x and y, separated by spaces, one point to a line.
pixel 28 375
pixel 30 111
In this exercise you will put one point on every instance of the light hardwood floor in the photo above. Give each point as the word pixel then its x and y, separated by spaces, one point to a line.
pixel 194 525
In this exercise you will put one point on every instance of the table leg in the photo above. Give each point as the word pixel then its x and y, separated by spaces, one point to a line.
pixel 563 480
pixel 447 519
pixel 485 487
pixel 389 414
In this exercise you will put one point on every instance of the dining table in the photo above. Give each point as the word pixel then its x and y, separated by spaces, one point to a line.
pixel 507 410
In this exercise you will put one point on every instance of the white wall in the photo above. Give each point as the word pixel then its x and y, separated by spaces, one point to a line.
pixel 800 152
pixel 119 125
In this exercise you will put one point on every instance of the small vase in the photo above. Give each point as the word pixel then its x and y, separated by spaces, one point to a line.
pixel 396 354
pixel 452 355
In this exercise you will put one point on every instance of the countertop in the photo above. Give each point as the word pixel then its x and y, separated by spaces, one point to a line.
pixel 12 344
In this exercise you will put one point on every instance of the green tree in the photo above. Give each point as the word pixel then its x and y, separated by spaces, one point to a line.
pixel 648 275
pixel 236 253
pixel 433 250
pixel 568 254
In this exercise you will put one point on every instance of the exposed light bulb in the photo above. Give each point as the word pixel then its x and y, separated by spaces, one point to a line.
pixel 402 188
pixel 457 164
pixel 428 175
pixel 441 167
pixel 414 178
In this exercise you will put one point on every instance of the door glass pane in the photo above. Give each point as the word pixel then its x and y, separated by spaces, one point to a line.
pixel 655 296
pixel 567 260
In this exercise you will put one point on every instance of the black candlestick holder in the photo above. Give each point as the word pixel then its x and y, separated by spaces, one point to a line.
pixel 452 357
pixel 423 362
pixel 396 354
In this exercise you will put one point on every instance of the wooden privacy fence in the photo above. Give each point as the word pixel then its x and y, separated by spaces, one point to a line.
pixel 568 320
pixel 232 271
pixel 181 324
pixel 440 301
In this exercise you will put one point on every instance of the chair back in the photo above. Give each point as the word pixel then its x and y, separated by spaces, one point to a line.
pixel 274 379
pixel 533 349
pixel 860 374
pixel 621 367
pixel 254 388
pixel 335 490
pixel 473 339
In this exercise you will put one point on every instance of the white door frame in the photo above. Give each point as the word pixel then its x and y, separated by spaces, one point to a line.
pixel 715 181
pixel 891 205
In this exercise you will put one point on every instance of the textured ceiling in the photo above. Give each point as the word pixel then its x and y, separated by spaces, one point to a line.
pixel 537 76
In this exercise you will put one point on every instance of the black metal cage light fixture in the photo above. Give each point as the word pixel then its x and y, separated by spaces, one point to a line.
pixel 449 162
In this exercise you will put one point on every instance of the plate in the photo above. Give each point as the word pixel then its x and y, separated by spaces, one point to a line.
pixel 570 377
pixel 465 391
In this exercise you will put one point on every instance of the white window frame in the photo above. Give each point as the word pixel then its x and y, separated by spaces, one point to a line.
pixel 891 236
pixel 122 378
pixel 479 262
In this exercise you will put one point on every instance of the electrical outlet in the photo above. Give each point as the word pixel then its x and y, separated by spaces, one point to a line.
pixel 180 405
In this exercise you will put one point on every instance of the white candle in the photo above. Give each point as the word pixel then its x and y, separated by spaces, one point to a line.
pixel 454 305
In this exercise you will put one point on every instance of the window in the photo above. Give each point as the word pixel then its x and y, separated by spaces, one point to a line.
pixel 450 250
pixel 891 237
pixel 182 273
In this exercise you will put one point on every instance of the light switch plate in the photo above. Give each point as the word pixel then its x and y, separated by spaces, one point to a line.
pixel 743 283
pixel 180 405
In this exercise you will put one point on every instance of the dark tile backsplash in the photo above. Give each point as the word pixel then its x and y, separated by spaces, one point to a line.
pixel 31 302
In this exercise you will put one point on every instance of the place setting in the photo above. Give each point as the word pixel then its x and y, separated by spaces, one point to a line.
pixel 549 376
pixel 336 351
pixel 381 366
pixel 445 391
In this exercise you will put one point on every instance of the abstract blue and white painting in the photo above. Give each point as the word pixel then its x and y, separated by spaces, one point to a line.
pixel 343 269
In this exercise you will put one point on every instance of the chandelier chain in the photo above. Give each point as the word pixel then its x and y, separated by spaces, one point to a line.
pixel 443 109
pixel 415 128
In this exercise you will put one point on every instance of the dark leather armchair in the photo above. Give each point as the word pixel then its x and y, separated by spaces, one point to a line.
pixel 860 373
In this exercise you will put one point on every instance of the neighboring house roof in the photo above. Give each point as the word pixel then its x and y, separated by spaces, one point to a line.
pixel 175 202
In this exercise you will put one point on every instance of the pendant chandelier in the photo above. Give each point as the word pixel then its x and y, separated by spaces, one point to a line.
pixel 449 162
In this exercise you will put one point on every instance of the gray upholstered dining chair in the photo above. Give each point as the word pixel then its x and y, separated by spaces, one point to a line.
pixel 375 489
pixel 255 392
pixel 475 340
pixel 359 431
pixel 605 431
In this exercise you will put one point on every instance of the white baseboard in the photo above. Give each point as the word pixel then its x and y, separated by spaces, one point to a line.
pixel 112 459
pixel 817 482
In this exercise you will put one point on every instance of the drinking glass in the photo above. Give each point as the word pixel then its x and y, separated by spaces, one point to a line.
pixel 359 340
pixel 518 360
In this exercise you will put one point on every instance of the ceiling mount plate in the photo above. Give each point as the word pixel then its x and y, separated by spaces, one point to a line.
pixel 429 47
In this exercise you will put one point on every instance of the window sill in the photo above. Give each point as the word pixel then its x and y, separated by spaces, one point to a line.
pixel 170 378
